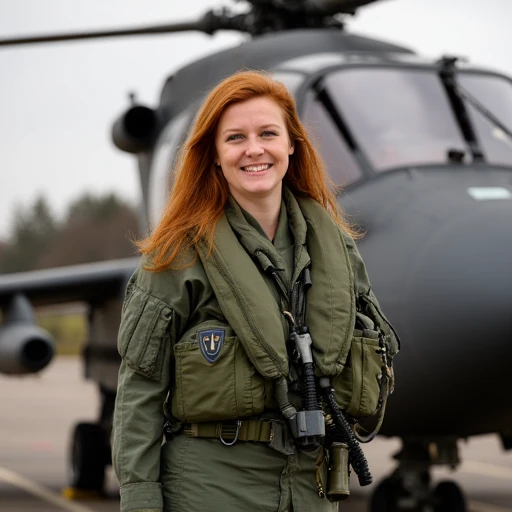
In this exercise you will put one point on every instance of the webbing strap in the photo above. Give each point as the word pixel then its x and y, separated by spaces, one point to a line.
pixel 250 430
pixel 296 302
pixel 367 433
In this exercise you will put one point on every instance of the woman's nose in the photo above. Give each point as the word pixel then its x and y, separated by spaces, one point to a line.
pixel 254 148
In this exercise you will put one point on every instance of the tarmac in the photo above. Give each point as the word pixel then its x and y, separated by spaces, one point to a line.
pixel 38 412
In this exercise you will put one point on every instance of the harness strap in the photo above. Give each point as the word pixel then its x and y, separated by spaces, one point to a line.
pixel 295 302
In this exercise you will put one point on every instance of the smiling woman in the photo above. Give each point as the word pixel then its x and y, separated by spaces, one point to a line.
pixel 252 148
pixel 201 188
pixel 216 305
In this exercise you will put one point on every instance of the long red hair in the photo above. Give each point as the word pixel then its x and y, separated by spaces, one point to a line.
pixel 190 216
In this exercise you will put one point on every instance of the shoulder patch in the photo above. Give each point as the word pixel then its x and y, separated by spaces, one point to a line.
pixel 210 343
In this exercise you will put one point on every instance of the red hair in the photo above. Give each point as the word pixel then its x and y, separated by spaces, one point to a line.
pixel 188 217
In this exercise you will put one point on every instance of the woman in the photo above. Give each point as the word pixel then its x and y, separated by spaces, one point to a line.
pixel 212 319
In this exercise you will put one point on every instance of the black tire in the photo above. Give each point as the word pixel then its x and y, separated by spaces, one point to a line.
pixel 89 446
pixel 448 497
pixel 385 497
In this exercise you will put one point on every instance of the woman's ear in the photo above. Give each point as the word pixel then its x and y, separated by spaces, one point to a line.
pixel 292 149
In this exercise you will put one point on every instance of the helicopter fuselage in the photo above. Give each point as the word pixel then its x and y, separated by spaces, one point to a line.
pixel 435 207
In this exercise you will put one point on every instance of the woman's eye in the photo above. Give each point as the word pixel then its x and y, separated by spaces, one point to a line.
pixel 235 136
pixel 268 133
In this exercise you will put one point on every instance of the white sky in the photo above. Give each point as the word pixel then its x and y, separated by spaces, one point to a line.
pixel 58 101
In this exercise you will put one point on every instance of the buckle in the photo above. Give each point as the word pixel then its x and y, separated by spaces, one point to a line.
pixel 191 430
pixel 235 433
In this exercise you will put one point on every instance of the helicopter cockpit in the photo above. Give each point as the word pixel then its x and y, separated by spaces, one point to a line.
pixel 369 117
pixel 401 117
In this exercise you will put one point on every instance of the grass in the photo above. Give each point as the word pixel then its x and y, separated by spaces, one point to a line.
pixel 69 331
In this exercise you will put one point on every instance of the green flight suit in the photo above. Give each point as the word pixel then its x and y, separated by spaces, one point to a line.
pixel 162 314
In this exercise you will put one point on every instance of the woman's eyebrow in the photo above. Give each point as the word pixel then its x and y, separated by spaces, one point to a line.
pixel 262 127
pixel 232 130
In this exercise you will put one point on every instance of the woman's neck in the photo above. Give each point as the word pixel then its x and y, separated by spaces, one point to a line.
pixel 265 211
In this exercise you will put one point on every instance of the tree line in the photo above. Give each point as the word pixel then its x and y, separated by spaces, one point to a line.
pixel 94 228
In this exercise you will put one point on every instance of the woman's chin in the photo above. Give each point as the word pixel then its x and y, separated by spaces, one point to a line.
pixel 262 191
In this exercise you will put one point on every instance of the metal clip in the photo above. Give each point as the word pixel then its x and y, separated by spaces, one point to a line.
pixel 289 317
pixel 225 443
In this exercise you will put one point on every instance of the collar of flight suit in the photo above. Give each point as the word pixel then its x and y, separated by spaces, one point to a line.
pixel 248 304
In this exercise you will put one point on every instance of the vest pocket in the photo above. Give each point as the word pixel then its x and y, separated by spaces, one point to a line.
pixel 144 327
pixel 357 386
pixel 226 389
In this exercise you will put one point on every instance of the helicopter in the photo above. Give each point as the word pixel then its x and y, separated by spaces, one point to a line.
pixel 423 152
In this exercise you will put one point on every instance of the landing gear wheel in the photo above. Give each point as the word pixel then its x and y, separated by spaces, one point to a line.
pixel 448 497
pixel 89 449
pixel 385 496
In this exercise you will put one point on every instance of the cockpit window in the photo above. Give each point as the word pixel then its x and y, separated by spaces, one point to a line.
pixel 494 93
pixel 292 81
pixel 337 156
pixel 398 117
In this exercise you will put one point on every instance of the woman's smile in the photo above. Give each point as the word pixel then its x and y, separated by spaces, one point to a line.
pixel 259 168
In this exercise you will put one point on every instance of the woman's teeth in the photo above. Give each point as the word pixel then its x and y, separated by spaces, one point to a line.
pixel 256 168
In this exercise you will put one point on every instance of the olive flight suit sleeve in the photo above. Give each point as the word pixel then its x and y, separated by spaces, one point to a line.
pixel 144 343
pixel 136 441
pixel 363 288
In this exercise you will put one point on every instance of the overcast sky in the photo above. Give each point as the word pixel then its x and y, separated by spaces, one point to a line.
pixel 57 101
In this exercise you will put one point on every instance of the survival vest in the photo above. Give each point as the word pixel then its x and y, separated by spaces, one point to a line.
pixel 353 342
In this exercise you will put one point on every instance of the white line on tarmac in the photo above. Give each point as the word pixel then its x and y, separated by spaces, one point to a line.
pixel 477 506
pixel 39 491
pixel 491 470
pixel 481 468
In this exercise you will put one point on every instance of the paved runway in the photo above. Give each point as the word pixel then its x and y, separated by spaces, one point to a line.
pixel 38 412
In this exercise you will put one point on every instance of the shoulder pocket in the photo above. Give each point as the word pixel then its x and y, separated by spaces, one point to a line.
pixel 145 323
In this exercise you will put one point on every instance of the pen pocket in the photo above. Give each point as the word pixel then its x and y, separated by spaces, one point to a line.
pixel 144 324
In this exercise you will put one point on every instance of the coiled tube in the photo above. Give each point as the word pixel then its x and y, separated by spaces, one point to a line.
pixel 357 458
pixel 310 395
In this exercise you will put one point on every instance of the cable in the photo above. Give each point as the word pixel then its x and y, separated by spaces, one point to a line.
pixel 357 457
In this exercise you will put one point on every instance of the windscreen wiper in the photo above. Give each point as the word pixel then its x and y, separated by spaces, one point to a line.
pixel 447 73
pixel 323 96
pixel 504 130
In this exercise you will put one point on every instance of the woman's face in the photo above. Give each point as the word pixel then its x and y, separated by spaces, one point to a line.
pixel 252 148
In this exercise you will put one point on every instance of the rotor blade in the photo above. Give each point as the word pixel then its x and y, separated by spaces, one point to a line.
pixel 158 29
pixel 335 6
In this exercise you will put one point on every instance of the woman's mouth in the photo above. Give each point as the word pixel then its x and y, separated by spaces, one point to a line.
pixel 256 168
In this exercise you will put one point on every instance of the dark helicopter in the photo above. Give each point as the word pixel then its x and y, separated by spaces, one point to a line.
pixel 423 149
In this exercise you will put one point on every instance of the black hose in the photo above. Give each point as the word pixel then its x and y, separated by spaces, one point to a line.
pixel 357 457
pixel 310 396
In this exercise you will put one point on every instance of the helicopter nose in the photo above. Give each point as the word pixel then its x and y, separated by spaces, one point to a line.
pixel 464 274
pixel 458 318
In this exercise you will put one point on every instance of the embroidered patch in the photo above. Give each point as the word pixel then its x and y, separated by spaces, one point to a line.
pixel 210 343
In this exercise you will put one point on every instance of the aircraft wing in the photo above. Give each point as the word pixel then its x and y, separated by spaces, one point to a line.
pixel 25 347
pixel 88 283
